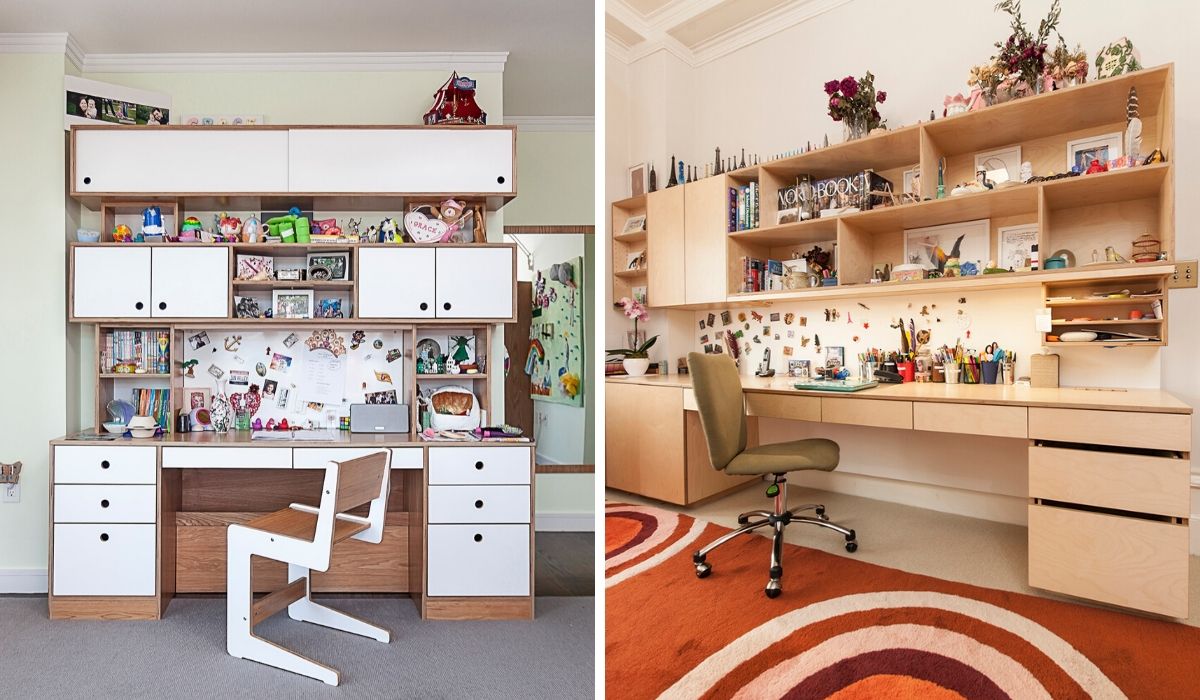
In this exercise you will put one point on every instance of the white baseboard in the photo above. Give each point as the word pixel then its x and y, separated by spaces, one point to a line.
pixel 23 581
pixel 566 522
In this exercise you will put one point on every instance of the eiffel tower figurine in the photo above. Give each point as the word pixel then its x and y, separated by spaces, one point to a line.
pixel 717 166
pixel 743 164
pixel 672 182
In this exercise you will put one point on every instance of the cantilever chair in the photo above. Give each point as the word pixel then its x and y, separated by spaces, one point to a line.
pixel 718 391
pixel 303 537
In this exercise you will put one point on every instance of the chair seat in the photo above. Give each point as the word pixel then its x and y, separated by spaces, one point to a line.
pixel 300 525
pixel 779 457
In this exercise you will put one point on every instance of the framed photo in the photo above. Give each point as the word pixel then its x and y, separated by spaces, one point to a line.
pixel 639 294
pixel 911 181
pixel 1015 246
pixel 196 398
pixel 1001 164
pixel 799 368
pixel 835 356
pixel 635 224
pixel 932 245
pixel 1105 147
pixel 337 262
pixel 255 267
pixel 198 340
pixel 292 303
pixel 635 260
pixel 461 347
pixel 637 180
pixel 295 275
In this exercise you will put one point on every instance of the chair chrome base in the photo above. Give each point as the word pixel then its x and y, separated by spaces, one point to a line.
pixel 778 519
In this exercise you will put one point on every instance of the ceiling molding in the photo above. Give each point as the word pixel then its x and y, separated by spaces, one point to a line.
pixel 572 124
pixel 472 61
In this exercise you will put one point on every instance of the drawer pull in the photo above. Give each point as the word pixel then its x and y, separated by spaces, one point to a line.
pixel 104 503
pixel 479 465
pixel 478 504
pixel 138 306
pixel 500 180
pixel 104 464
pixel 87 180
pixel 478 537
pixel 162 305
pixel 424 306
pixel 446 306
pixel 103 536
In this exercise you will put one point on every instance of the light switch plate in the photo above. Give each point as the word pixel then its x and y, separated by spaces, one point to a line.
pixel 10 493
pixel 1185 275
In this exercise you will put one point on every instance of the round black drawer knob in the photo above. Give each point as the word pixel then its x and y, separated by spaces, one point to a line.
pixel 103 536
pixel 138 306
pixel 162 305
pixel 87 180
pixel 478 538
pixel 500 179
pixel 479 465
pixel 478 504
pixel 104 503
pixel 446 306
pixel 424 306
pixel 104 464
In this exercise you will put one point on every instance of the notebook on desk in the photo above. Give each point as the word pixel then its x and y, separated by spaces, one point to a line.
pixel 843 385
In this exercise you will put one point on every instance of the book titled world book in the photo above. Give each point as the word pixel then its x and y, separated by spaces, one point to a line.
pixel 859 191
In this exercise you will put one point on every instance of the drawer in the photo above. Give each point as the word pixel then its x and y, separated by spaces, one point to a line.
pixel 319 457
pixel 74 503
pixel 478 560
pixel 88 464
pixel 479 504
pixel 227 457
pixel 479 465
pixel 1159 431
pixel 1134 563
pixel 971 419
pixel 876 413
pixel 104 560
pixel 1139 483
pixel 784 406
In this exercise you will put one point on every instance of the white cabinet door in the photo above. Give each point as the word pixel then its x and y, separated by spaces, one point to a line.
pixel 422 160
pixel 156 161
pixel 396 282
pixel 475 282
pixel 111 282
pixel 190 282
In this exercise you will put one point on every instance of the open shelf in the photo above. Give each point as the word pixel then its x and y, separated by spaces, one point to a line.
pixel 1124 301
pixel 293 284
pixel 479 375
pixel 635 237
pixel 992 204
pixel 630 274
pixel 1119 322
pixel 132 375
pixel 1122 185
pixel 884 151
pixel 797 232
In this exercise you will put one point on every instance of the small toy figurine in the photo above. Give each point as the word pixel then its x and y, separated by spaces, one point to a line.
pixel 190 229
pixel 388 232
pixel 250 229
pixel 229 226
pixel 122 233
pixel 1098 166
pixel 451 212
pixel 152 223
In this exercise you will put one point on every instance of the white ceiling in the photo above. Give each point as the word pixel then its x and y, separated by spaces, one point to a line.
pixel 551 43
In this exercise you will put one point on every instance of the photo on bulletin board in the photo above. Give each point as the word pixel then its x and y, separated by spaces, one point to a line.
pixel 555 360
pixel 932 245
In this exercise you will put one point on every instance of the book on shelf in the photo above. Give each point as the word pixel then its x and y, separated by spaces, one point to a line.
pixel 762 275
pixel 153 402
pixel 743 207
pixel 614 369
pixel 146 350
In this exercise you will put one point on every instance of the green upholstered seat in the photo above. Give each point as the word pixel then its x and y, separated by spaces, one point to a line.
pixel 718 391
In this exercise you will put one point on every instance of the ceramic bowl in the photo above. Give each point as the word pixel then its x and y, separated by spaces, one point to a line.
pixel 86 236
pixel 114 427
pixel 142 432
pixel 142 422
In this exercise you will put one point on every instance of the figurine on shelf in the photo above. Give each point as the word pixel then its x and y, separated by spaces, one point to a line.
pixel 250 229
pixel 454 103
pixel 152 225
pixel 229 226
pixel 190 230
pixel 122 234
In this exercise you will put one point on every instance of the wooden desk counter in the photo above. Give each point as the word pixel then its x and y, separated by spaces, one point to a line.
pixel 242 438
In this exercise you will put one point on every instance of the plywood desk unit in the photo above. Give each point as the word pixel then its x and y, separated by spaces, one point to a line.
pixel 1109 471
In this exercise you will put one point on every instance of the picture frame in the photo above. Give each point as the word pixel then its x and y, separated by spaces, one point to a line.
pixel 1014 246
pixel 1106 147
pixel 799 368
pixel 639 294
pixel 196 397
pixel 291 275
pixel 336 261
pixel 920 243
pixel 460 347
pixel 1000 162
pixel 835 357
pixel 635 260
pixel 637 180
pixel 292 303
pixel 255 267
pixel 634 224
pixel 909 182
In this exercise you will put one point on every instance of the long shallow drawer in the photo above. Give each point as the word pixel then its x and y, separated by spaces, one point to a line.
pixel 108 560
pixel 971 419
pixel 479 504
pixel 784 406
pixel 1139 483
pixel 320 457
pixel 1134 563
pixel 1158 431
pixel 75 503
pixel 877 413
pixel 478 560
pixel 88 464
pixel 478 465
pixel 226 457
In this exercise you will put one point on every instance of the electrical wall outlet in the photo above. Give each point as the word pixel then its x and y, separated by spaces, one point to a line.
pixel 1185 275
pixel 10 493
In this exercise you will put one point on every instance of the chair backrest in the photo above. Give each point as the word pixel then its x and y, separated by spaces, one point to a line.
pixel 360 481
pixel 718 391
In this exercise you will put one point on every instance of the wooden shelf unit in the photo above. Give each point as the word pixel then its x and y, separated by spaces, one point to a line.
pixel 1109 313
pixel 111 385
pixel 625 244
pixel 483 344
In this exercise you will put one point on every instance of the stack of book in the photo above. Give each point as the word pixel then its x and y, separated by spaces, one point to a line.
pixel 761 275
pixel 154 402
pixel 614 369
pixel 146 350
pixel 743 207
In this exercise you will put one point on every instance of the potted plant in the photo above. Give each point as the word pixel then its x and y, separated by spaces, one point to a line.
pixel 635 358
pixel 853 102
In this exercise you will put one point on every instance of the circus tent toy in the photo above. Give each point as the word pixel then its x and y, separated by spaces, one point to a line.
pixel 454 103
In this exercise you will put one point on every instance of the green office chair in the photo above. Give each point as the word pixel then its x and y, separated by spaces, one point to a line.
pixel 718 391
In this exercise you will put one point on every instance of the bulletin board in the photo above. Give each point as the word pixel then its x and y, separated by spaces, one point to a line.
pixel 302 374
pixel 555 360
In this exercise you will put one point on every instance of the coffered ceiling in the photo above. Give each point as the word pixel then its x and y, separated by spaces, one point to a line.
pixel 699 31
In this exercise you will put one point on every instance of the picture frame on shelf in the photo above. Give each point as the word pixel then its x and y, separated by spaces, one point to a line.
pixel 835 357
pixel 1104 147
pixel 639 294
pixel 799 368
pixel 460 347
pixel 635 260
pixel 921 244
pixel 246 307
pixel 637 180
pixel 634 224
pixel 292 303
pixel 910 182
pixel 331 308
pixel 290 275
pixel 255 267
pixel 1000 164
pixel 196 397
pixel 1014 246
pixel 336 261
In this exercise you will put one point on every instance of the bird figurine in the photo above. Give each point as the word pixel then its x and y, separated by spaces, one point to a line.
pixel 938 257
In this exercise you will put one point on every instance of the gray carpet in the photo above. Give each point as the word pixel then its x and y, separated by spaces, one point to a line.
pixel 183 655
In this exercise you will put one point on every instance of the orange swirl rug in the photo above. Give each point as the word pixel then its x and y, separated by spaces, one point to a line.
pixel 846 629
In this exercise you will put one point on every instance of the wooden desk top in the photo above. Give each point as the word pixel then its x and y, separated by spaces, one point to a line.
pixel 236 438
pixel 1142 400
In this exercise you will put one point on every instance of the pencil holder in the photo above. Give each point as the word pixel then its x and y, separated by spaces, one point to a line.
pixel 905 370
pixel 938 374
pixel 990 369
pixel 951 373
pixel 1009 371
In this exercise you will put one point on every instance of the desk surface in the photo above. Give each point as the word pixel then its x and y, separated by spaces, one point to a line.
pixel 1142 400
pixel 235 438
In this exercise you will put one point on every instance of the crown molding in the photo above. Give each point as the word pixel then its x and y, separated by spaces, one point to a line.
pixel 561 124
pixel 473 61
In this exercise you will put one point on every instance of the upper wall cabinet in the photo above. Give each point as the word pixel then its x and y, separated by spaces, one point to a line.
pixel 441 160
pixel 130 160
pixel 120 282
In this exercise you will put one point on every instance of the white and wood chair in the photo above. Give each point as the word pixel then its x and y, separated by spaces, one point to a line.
pixel 303 537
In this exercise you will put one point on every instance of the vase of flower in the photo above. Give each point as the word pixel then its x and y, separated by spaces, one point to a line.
pixel 854 102
pixel 1023 54
pixel 635 358
pixel 854 127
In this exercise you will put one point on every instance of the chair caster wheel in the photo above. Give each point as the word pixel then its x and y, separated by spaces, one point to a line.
pixel 773 592
pixel 698 559
pixel 703 570
pixel 742 520
pixel 820 511
pixel 851 546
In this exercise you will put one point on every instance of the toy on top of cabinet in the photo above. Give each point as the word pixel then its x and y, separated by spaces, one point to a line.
pixel 152 225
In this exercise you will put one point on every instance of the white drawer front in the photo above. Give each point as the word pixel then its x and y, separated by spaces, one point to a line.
pixel 104 560
pixel 479 465
pixel 227 457
pixel 319 457
pixel 88 464
pixel 75 503
pixel 478 560
pixel 479 504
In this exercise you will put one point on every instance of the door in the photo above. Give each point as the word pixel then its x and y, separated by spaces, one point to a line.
pixel 433 160
pixel 396 282
pixel 475 282
pixel 518 404
pixel 190 282
pixel 111 282
pixel 665 246
pixel 706 212
pixel 181 160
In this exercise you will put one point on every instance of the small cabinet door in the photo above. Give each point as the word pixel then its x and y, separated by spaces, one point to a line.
pixel 420 160
pixel 665 247
pixel 396 282
pixel 475 282
pixel 111 282
pixel 190 282
pixel 180 160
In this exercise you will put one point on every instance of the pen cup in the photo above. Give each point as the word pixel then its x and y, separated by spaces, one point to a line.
pixel 905 370
pixel 866 370
pixel 990 369
pixel 951 372
pixel 1009 370
pixel 938 374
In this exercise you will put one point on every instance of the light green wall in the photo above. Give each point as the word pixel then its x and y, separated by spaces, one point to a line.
pixel 556 178
pixel 34 351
